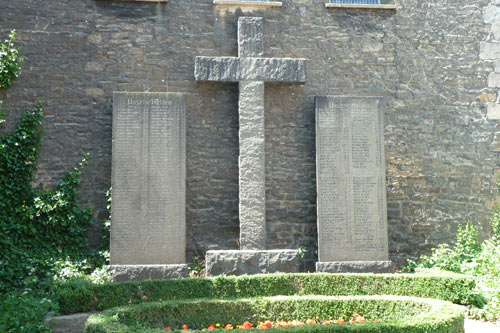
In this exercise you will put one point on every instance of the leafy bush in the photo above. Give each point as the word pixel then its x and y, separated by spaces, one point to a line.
pixel 467 256
pixel 453 258
pixel 395 314
pixel 23 313
pixel 10 61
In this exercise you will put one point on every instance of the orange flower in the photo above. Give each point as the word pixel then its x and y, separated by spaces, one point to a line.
pixel 357 318
pixel 310 322
pixel 297 323
pixel 228 327
pixel 268 323
pixel 328 322
pixel 246 325
pixel 168 328
pixel 184 327
pixel 211 327
pixel 340 321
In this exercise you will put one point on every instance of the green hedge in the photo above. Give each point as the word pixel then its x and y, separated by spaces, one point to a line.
pixel 394 313
pixel 83 296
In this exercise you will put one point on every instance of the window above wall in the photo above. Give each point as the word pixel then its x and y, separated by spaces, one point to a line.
pixel 254 3
pixel 369 4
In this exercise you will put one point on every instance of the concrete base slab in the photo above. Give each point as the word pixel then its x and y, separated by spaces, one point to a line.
pixel 240 262
pixel 355 267
pixel 148 272
pixel 74 323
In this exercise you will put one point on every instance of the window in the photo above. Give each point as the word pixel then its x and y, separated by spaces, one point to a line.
pixel 255 3
pixel 370 4
pixel 357 2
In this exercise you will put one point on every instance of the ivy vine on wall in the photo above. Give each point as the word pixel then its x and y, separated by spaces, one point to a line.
pixel 38 227
pixel 10 61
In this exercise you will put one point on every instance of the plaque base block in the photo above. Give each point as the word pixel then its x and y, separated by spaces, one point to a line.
pixel 239 262
pixel 148 272
pixel 355 267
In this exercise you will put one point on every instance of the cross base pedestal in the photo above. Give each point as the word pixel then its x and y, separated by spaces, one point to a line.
pixel 240 262
pixel 148 272
pixel 355 267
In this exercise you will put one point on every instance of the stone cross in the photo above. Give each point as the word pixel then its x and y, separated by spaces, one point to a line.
pixel 251 70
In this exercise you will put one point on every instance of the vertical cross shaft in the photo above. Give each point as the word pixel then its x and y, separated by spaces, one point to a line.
pixel 252 166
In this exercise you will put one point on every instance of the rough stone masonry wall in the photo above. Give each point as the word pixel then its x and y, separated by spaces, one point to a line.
pixel 441 148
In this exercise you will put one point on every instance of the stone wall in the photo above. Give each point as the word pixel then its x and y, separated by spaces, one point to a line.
pixel 441 148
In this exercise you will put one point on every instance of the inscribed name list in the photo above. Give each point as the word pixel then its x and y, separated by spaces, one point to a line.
pixel 352 213
pixel 148 179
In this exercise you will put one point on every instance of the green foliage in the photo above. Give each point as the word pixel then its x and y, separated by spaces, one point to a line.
pixel 486 270
pixel 38 228
pixel 105 231
pixel 43 238
pixel 10 61
pixel 482 262
pixel 83 296
pixel 196 269
pixel 495 227
pixel 395 314
pixel 302 253
pixel 23 312
pixel 2 114
pixel 453 258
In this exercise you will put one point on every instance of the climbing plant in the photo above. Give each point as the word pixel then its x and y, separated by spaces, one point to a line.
pixel 10 61
pixel 37 227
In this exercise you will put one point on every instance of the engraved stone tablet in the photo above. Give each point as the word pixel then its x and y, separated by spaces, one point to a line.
pixel 149 179
pixel 352 213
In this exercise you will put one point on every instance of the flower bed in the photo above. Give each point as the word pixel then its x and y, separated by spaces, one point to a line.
pixel 83 296
pixel 380 314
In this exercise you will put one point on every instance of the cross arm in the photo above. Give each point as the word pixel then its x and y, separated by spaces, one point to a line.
pixel 231 69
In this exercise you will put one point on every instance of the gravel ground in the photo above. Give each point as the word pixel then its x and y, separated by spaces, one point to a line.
pixel 476 326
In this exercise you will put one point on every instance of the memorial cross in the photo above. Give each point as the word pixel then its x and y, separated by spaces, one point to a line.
pixel 250 69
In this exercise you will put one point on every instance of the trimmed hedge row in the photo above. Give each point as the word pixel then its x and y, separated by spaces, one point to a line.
pixel 83 296
pixel 394 313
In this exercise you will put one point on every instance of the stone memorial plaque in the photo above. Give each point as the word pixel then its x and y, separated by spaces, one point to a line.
pixel 352 213
pixel 149 179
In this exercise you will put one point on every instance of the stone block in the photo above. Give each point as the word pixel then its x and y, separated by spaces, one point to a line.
pixel 489 50
pixel 74 323
pixel 494 80
pixel 355 267
pixel 235 262
pixel 491 14
pixel 230 69
pixel 493 111
pixel 148 272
